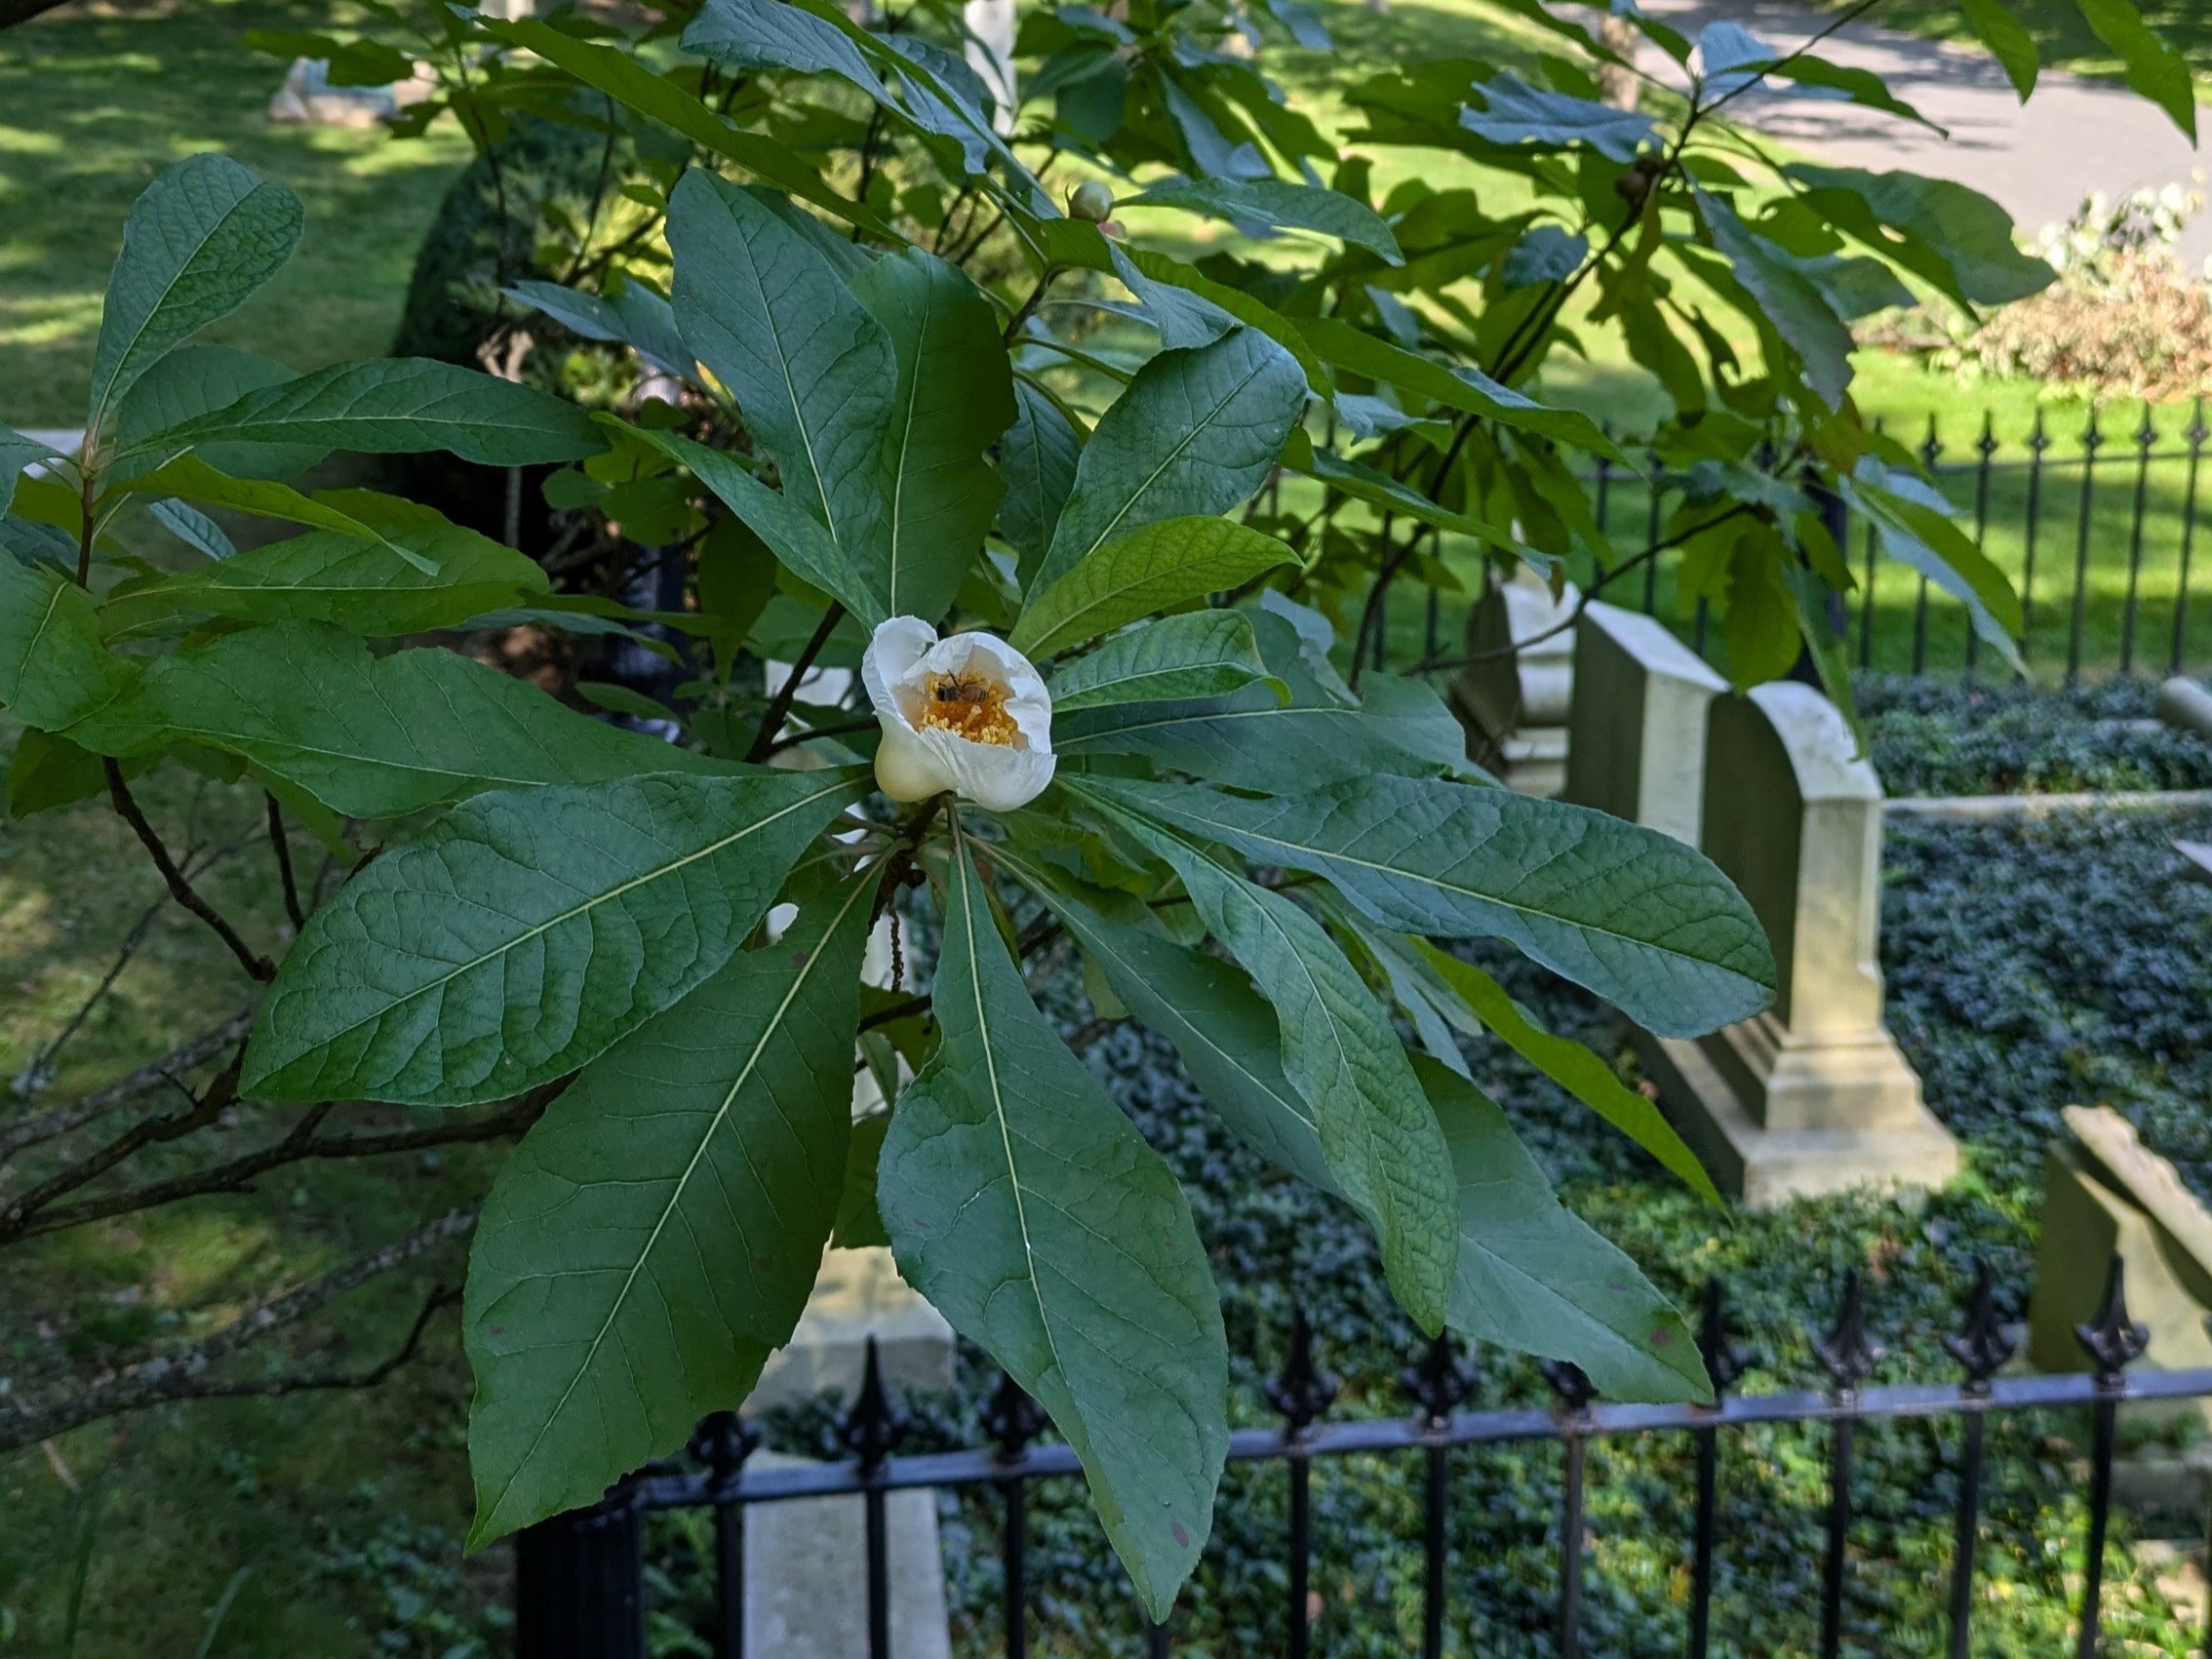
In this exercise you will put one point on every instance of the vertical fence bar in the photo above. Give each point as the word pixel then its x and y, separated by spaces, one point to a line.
pixel 1601 507
pixel 1981 1347
pixel 1987 448
pixel 2092 441
pixel 1724 1364
pixel 2039 441
pixel 580 1582
pixel 1156 1641
pixel 1300 1392
pixel 1574 1395
pixel 1931 450
pixel 723 1442
pixel 2112 1341
pixel 2197 434
pixel 1012 1420
pixel 2146 437
pixel 1438 1384
pixel 1849 1358
pixel 871 1430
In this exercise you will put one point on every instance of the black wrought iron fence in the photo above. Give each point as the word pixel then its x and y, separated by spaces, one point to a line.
pixel 2093 517
pixel 580 1587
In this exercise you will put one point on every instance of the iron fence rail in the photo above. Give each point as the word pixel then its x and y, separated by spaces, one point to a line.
pixel 579 1581
pixel 2105 516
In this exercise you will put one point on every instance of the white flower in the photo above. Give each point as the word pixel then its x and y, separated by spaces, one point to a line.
pixel 967 713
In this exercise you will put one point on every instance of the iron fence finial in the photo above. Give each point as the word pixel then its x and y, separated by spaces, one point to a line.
pixel 1847 1354
pixel 872 1429
pixel 1725 1359
pixel 1441 1383
pixel 1301 1391
pixel 2111 1339
pixel 1982 1344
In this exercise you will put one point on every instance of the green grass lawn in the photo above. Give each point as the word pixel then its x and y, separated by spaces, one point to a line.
pixel 93 105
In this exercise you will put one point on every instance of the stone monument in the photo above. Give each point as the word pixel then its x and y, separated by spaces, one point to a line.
pixel 1515 704
pixel 1635 721
pixel 1812 1095
pixel 805 1575
pixel 2106 1194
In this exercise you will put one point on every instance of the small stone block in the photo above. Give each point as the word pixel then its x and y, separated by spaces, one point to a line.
pixel 807 1575
pixel 2198 855
pixel 859 1294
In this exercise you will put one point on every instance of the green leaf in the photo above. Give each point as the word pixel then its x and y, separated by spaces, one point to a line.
pixel 811 370
pixel 1029 1212
pixel 1567 1063
pixel 2008 42
pixel 1193 436
pixel 396 406
pixel 1377 1136
pixel 635 316
pixel 2152 68
pixel 1953 236
pixel 1249 741
pixel 192 526
pixel 1273 202
pixel 360 514
pixel 368 737
pixel 53 668
pixel 952 399
pixel 1037 462
pixel 1226 1035
pixel 1791 300
pixel 1535 1278
pixel 769 34
pixel 198 379
pixel 526 932
pixel 1513 112
pixel 1164 564
pixel 793 534
pixel 653 1238
pixel 1364 483
pixel 622 75
pixel 1627 911
pixel 1198 655
pixel 1461 388
pixel 1918 533
pixel 330 577
pixel 196 244
pixel 48 770
pixel 18 452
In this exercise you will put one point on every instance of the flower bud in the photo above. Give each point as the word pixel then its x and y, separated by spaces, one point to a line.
pixel 1091 200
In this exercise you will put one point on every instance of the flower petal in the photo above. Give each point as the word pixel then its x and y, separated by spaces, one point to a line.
pixel 893 664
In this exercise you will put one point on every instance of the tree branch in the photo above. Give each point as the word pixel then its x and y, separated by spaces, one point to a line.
pixel 779 710
pixel 20 1219
pixel 256 966
pixel 301 1144
pixel 164 1072
pixel 13 12
pixel 282 848
pixel 182 1373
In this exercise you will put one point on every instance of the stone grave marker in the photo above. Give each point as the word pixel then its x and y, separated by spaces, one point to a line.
pixel 1812 1095
pixel 1635 721
pixel 1514 707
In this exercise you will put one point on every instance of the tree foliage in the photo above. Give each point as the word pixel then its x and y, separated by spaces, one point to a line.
pixel 857 372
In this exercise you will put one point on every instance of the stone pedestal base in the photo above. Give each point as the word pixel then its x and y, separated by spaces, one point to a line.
pixel 1902 1148
pixel 859 1294
pixel 807 1575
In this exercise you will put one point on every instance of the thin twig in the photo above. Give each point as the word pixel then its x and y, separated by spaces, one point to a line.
pixel 284 865
pixel 1436 664
pixel 299 1145
pixel 182 1373
pixel 256 966
pixel 780 709
pixel 162 1072
pixel 842 729
pixel 20 1217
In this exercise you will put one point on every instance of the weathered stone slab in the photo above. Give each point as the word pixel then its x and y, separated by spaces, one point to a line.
pixel 2106 1194
pixel 1514 705
pixel 807 1575
pixel 2186 705
pixel 858 1295
pixel 1812 1095
pixel 1635 721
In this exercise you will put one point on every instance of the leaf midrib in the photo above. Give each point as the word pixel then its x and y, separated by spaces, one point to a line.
pixel 1312 855
pixel 675 1192
pixel 567 915
pixel 1168 460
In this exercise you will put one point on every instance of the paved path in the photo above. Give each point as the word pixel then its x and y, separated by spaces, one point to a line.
pixel 2073 136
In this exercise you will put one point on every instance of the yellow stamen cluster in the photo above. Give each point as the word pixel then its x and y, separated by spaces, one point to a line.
pixel 970 706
